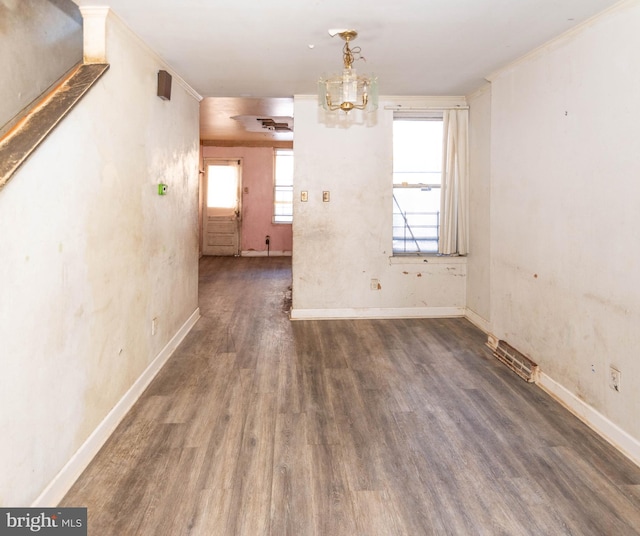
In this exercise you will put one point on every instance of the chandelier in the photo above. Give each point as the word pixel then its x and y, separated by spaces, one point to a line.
pixel 348 91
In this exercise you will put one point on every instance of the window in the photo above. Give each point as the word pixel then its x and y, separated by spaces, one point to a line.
pixel 223 178
pixel 417 181
pixel 283 186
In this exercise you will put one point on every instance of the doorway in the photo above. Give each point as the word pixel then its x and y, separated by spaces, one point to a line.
pixel 222 207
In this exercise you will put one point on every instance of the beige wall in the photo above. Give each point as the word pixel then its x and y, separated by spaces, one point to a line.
pixel 479 259
pixel 565 284
pixel 40 40
pixel 90 255
pixel 340 246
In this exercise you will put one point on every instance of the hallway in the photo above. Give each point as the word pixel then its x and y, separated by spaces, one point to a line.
pixel 262 426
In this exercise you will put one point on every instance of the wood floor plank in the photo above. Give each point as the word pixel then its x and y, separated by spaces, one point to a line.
pixel 375 513
pixel 320 420
pixel 332 500
pixel 226 435
pixel 291 512
pixel 290 386
pixel 253 477
pixel 261 426
pixel 360 444
pixel 212 512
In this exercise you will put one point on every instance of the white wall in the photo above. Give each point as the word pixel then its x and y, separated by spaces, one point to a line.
pixel 339 246
pixel 40 40
pixel 90 254
pixel 479 258
pixel 565 283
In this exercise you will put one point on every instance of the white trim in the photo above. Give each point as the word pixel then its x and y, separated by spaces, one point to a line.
pixel 621 440
pixel 399 102
pixel 63 481
pixel 272 253
pixel 559 40
pixel 94 33
pixel 477 320
pixel 376 313
pixel 410 101
pixel 427 259
pixel 401 108
pixel 485 88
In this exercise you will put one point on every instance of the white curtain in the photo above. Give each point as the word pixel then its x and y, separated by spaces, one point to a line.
pixel 454 219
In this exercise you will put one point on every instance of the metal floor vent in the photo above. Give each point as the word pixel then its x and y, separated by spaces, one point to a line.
pixel 519 363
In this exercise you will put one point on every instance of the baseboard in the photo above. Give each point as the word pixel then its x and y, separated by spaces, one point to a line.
pixel 477 320
pixel 621 440
pixel 379 313
pixel 63 481
pixel 252 253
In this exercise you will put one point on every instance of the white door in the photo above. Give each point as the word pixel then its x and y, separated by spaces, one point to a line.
pixel 221 209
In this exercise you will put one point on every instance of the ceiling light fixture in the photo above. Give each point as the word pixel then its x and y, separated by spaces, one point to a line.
pixel 348 91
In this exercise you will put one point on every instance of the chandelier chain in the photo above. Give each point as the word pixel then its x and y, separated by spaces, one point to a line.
pixel 348 90
pixel 350 55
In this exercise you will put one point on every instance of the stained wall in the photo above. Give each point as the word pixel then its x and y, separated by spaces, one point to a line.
pixel 40 40
pixel 565 158
pixel 90 254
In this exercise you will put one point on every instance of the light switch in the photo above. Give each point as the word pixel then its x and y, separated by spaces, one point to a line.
pixel 304 196
pixel 325 196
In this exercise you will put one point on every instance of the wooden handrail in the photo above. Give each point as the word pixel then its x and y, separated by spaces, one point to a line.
pixel 25 136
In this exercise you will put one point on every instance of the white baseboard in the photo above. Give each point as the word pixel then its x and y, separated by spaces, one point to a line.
pixel 477 320
pixel 621 440
pixel 63 481
pixel 373 313
pixel 252 253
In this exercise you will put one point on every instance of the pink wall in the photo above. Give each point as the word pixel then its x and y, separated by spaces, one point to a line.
pixel 257 198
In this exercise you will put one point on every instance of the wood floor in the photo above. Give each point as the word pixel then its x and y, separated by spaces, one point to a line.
pixel 262 426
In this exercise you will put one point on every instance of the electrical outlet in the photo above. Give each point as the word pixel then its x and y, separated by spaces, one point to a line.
pixel 154 326
pixel 375 284
pixel 614 378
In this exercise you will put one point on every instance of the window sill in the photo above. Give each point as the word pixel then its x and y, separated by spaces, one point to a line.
pixel 427 259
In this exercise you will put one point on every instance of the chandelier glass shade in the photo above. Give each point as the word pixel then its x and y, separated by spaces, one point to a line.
pixel 348 90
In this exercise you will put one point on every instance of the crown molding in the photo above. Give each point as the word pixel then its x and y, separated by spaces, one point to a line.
pixel 159 59
pixel 560 40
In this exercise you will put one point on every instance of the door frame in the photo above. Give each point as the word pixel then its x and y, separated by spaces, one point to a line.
pixel 207 161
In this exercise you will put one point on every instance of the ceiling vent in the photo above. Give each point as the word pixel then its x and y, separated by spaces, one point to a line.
pixel 280 125
pixel 269 123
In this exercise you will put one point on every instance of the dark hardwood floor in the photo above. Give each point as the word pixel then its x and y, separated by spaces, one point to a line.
pixel 262 426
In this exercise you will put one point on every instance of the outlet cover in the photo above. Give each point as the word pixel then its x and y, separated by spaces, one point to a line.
pixel 615 378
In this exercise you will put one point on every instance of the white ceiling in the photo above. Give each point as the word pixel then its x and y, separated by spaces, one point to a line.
pixel 261 48
pixel 249 57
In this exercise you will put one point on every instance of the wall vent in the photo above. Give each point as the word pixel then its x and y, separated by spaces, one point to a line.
pixel 519 363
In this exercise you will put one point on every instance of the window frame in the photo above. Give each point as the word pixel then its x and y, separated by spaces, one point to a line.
pixel 431 115
pixel 281 188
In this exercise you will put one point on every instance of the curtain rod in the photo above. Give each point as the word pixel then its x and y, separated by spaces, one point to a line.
pixel 400 108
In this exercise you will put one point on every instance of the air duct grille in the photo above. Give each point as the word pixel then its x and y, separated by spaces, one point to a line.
pixel 519 363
